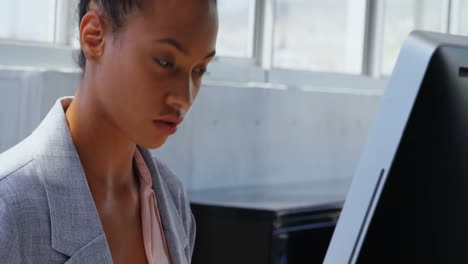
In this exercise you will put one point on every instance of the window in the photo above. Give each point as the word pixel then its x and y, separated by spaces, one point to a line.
pixel 28 20
pixel 324 36
pixel 400 17
pixel 236 28
pixel 284 41
pixel 460 22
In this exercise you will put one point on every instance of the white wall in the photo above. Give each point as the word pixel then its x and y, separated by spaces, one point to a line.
pixel 25 98
pixel 233 135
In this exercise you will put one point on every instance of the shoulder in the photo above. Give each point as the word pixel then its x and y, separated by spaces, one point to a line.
pixel 9 232
pixel 22 193
pixel 16 171
pixel 15 159
pixel 19 174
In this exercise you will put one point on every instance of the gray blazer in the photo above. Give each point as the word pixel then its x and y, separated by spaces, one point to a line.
pixel 47 213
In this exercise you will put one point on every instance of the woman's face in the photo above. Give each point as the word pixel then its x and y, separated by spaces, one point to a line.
pixel 153 66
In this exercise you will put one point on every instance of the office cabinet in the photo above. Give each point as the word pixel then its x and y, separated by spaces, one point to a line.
pixel 283 223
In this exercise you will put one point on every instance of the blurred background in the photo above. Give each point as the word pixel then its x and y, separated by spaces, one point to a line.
pixel 290 98
pixel 279 124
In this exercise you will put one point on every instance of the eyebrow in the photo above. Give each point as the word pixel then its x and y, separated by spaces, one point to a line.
pixel 178 46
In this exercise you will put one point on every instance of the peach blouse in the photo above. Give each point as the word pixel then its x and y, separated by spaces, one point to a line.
pixel 153 235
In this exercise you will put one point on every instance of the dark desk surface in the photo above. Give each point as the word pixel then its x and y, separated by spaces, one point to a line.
pixel 314 195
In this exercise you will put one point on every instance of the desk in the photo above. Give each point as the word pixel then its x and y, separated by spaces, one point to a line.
pixel 283 223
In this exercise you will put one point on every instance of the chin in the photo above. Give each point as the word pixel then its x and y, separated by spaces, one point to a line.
pixel 153 143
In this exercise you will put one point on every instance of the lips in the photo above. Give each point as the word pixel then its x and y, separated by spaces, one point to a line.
pixel 168 124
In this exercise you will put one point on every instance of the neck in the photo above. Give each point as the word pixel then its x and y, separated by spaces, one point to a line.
pixel 105 152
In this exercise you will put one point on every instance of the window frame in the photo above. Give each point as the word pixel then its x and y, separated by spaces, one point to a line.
pixel 376 24
pixel 61 56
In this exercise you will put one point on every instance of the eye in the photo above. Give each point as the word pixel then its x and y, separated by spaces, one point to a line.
pixel 164 63
pixel 200 71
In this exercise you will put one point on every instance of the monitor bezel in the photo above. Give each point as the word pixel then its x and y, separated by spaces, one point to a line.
pixel 372 171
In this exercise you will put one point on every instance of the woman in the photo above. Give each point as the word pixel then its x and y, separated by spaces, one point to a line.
pixel 83 188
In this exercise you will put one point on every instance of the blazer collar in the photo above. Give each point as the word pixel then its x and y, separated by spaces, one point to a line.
pixel 75 222
pixel 74 218
pixel 174 229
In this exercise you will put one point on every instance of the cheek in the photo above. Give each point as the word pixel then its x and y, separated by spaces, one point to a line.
pixel 117 71
pixel 153 85
pixel 128 76
pixel 123 88
pixel 195 86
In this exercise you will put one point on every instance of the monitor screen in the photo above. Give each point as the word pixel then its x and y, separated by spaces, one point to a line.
pixel 408 202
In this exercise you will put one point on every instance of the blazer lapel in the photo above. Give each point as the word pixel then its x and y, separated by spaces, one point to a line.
pixel 176 237
pixel 75 224
pixel 92 253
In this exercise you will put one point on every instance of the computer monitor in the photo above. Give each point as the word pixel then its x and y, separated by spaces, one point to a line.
pixel 408 202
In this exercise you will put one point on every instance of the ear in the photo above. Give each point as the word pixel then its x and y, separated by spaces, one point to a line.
pixel 92 31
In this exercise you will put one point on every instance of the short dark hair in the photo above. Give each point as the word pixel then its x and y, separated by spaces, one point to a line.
pixel 114 10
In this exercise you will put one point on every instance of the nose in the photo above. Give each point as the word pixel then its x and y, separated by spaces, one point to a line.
pixel 181 97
